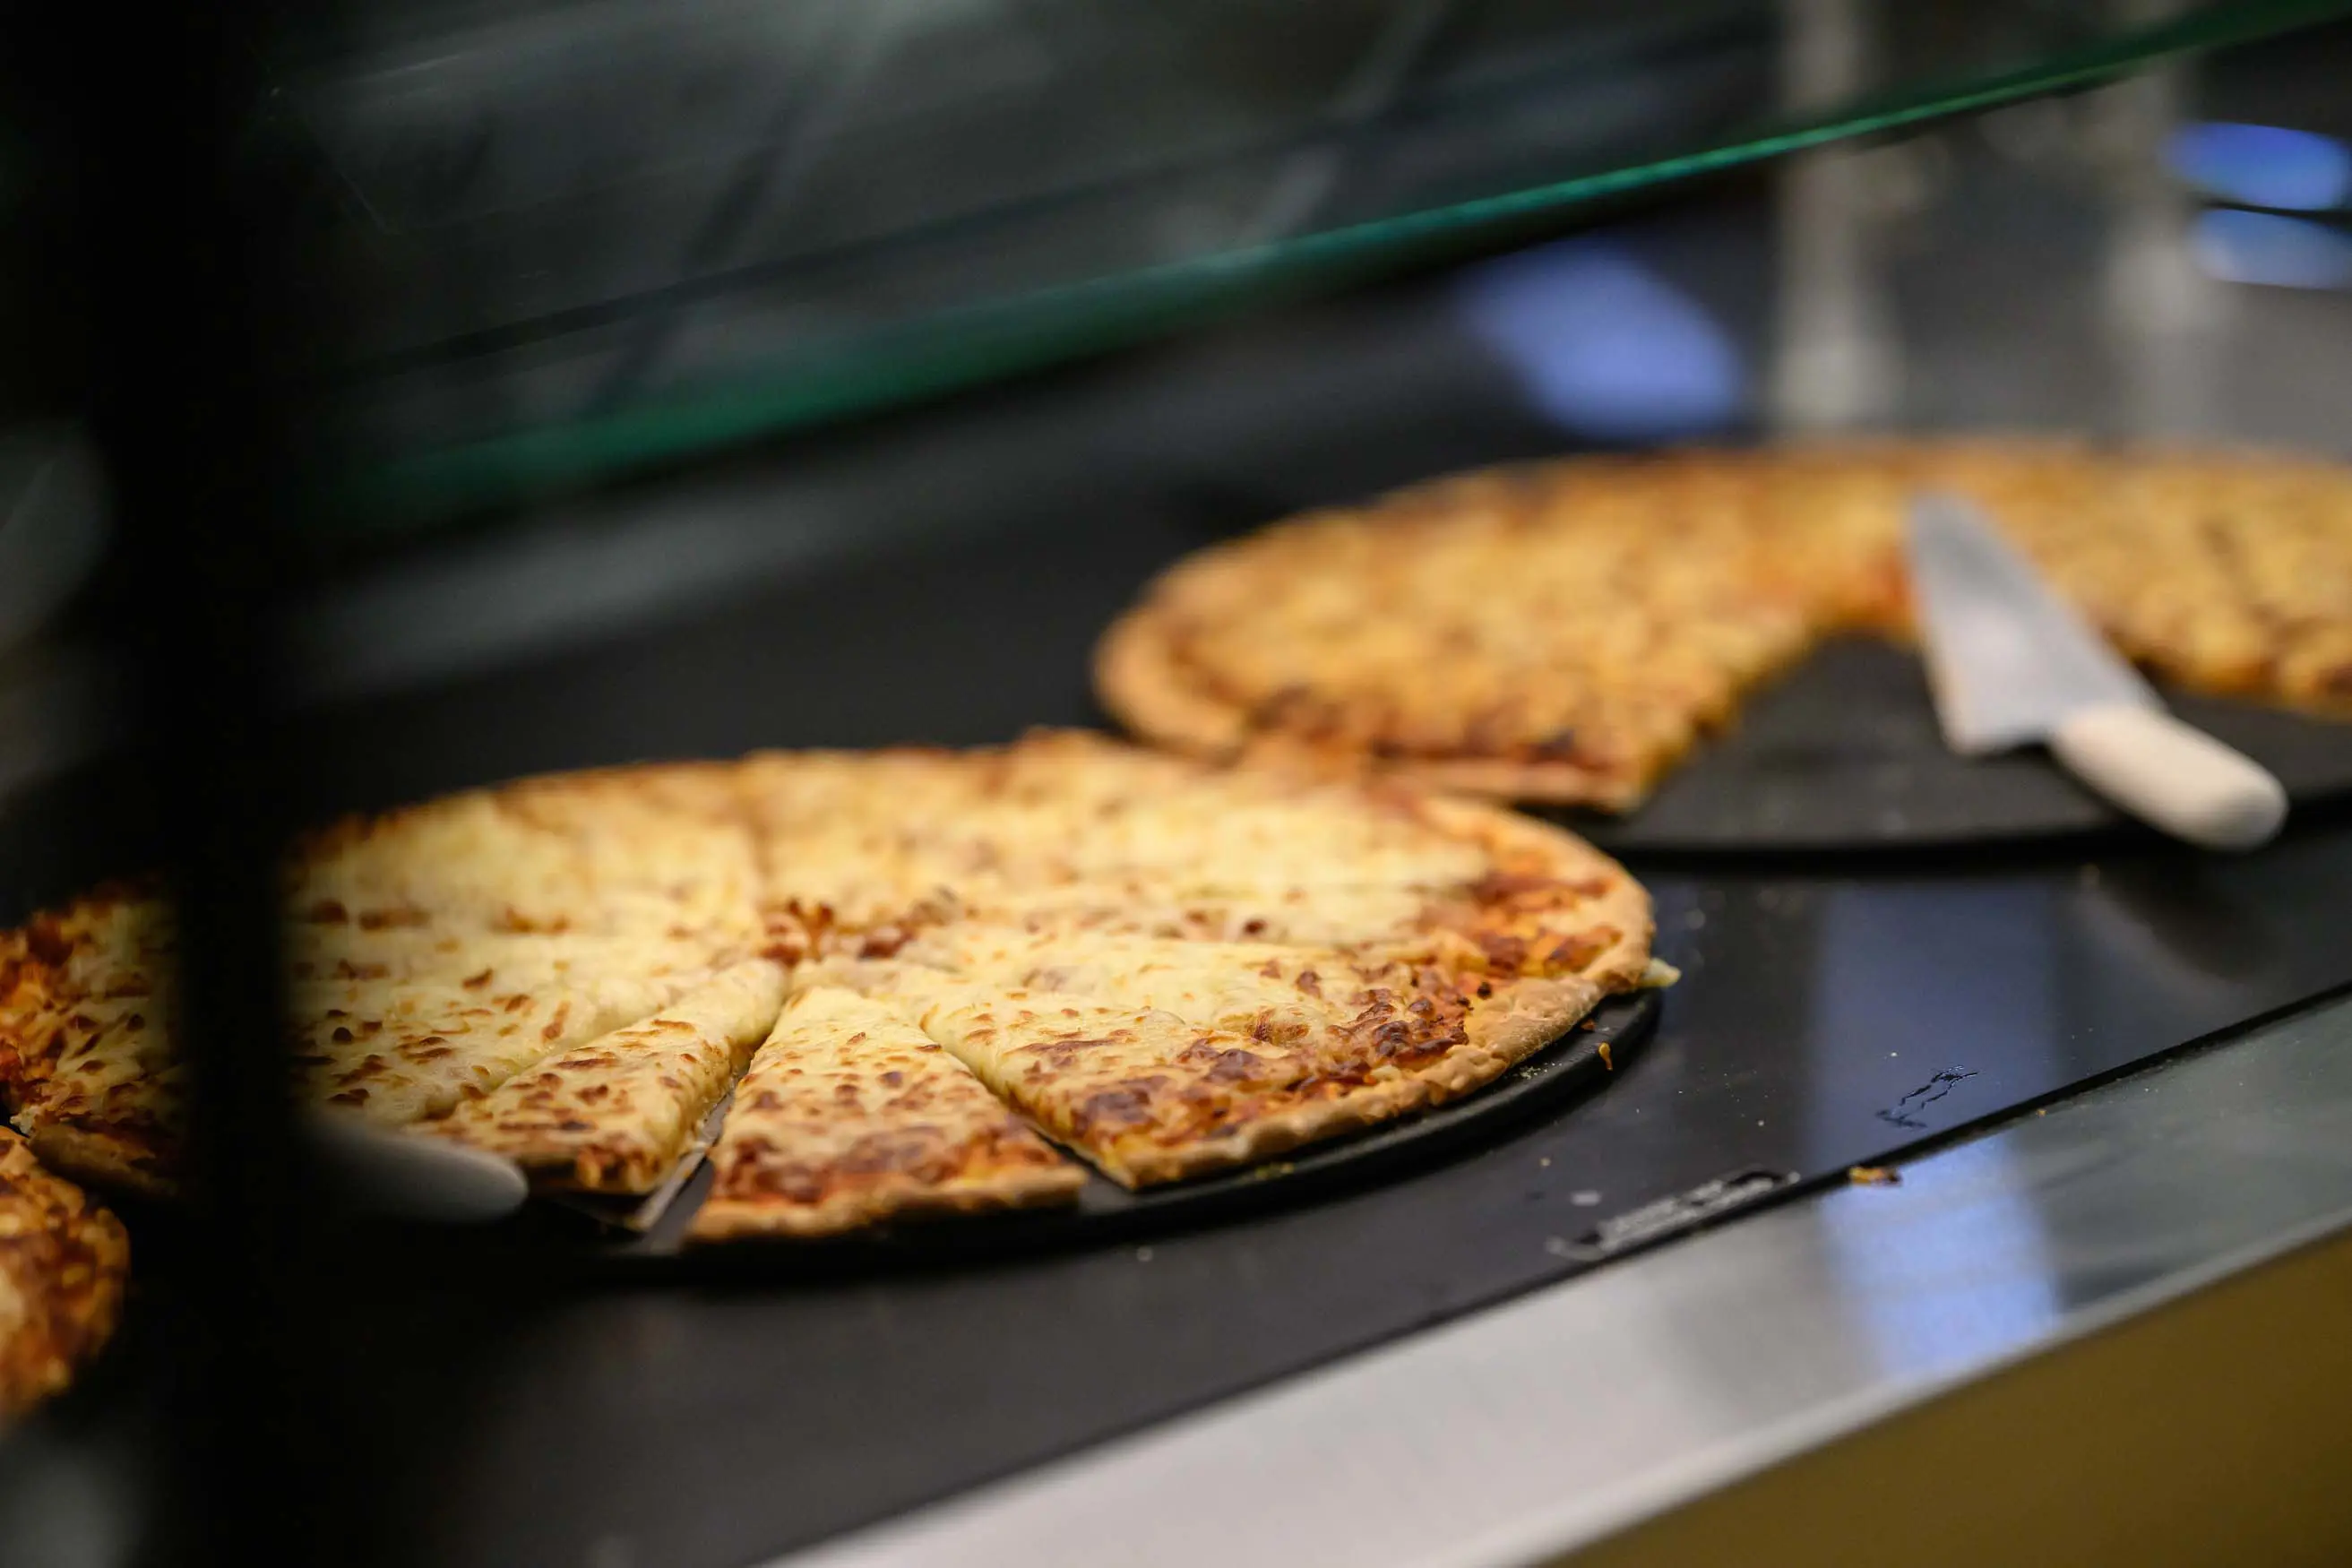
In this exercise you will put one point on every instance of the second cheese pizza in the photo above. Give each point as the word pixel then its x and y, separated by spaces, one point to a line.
pixel 1566 633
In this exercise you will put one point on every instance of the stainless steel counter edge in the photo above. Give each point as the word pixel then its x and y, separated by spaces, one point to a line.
pixel 1558 1418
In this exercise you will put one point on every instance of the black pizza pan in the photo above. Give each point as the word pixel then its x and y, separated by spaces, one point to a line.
pixel 1843 753
pixel 1577 1064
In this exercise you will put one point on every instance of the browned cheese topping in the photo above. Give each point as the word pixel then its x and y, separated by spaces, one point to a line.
pixel 850 1114
pixel 615 1115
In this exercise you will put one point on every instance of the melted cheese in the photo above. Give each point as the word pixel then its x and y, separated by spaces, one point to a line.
pixel 849 1114
pixel 616 1114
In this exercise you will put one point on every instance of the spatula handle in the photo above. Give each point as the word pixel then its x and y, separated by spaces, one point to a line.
pixel 2171 776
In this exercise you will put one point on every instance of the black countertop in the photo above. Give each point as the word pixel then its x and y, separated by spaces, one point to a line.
pixel 1824 1020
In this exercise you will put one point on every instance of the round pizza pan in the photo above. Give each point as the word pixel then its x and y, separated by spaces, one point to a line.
pixel 1579 1062
pixel 1843 753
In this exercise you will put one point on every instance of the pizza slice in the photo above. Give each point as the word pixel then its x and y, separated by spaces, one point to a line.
pixel 105 947
pixel 850 1115
pixel 616 1114
pixel 1162 1059
pixel 395 1054
pixel 431 954
pixel 100 1095
pixel 85 1052
pixel 105 1096
pixel 62 1265
pixel 1145 1095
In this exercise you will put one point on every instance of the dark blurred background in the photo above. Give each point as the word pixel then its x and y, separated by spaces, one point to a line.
pixel 617 316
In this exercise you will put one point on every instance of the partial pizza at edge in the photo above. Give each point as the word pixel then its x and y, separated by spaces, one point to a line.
pixel 432 953
pixel 62 1265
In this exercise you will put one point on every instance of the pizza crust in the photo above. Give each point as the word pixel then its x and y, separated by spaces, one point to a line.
pixel 1269 1136
pixel 1137 675
pixel 111 1157
pixel 1145 685
pixel 1544 784
pixel 725 1219
pixel 720 1220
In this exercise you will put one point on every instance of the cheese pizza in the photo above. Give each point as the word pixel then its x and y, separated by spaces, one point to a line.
pixel 1566 633
pixel 934 982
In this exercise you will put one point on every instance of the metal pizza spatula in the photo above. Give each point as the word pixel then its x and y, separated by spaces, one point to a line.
pixel 412 1177
pixel 2010 663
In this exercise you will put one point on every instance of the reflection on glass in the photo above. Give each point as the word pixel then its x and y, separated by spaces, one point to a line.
pixel 1603 346
pixel 2262 166
pixel 1947 1288
pixel 1934 1294
pixel 2264 247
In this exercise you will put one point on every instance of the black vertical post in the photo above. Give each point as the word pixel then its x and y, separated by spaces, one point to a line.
pixel 190 281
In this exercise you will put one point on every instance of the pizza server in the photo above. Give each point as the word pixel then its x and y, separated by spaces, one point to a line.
pixel 2012 664
pixel 413 1177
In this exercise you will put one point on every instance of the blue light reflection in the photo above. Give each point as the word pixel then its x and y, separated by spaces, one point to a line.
pixel 1602 345
pixel 1967 1276
pixel 1964 1273
pixel 2266 248
pixel 2262 166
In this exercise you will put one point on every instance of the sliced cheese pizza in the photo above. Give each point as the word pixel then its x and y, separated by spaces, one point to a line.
pixel 1166 966
pixel 849 1115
